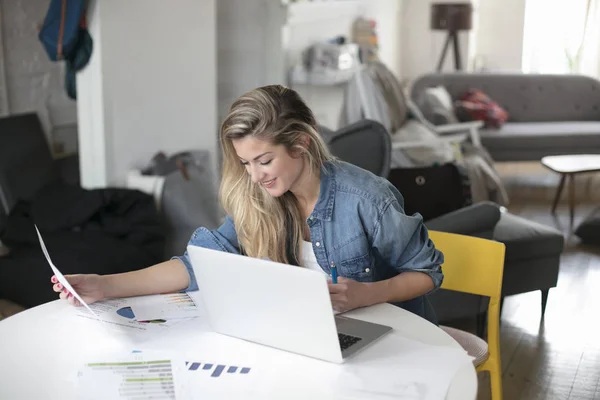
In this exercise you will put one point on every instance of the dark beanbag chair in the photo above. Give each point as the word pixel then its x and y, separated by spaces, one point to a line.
pixel 589 231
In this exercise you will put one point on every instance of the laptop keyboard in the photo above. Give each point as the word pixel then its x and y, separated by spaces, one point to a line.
pixel 347 340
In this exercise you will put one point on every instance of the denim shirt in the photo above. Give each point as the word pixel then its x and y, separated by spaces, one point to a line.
pixel 359 225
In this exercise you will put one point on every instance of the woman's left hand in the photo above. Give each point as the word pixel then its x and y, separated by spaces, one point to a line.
pixel 348 294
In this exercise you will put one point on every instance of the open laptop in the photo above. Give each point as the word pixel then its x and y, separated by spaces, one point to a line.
pixel 277 305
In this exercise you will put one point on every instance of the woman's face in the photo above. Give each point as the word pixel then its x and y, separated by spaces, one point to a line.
pixel 271 166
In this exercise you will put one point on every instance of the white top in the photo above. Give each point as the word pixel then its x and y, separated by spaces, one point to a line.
pixel 309 260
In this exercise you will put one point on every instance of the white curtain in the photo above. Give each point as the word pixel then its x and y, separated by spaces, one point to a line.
pixel 554 33
pixel 589 62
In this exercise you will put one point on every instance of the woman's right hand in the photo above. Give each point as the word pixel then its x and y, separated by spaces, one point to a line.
pixel 88 286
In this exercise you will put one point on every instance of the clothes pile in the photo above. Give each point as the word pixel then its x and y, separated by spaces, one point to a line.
pixel 375 93
pixel 102 231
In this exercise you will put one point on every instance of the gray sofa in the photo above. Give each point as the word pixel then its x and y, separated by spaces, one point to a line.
pixel 548 114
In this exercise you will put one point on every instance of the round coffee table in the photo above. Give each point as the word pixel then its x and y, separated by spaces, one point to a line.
pixel 569 166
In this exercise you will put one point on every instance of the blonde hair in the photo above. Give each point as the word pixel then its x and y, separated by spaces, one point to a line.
pixel 268 226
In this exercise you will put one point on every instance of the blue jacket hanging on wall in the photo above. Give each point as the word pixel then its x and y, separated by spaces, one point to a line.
pixel 64 36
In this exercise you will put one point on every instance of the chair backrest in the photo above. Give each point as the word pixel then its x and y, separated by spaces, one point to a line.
pixel 475 265
pixel 471 265
pixel 365 143
pixel 26 164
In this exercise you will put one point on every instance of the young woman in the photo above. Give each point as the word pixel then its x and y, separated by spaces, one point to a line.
pixel 287 198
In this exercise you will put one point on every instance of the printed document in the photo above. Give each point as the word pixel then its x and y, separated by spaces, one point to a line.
pixel 59 275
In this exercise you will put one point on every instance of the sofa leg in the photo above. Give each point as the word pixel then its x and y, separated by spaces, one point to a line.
pixel 544 300
pixel 481 321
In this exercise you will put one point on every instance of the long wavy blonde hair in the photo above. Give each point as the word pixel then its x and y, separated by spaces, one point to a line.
pixel 268 226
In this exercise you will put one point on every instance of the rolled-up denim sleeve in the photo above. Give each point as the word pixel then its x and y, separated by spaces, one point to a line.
pixel 223 239
pixel 403 242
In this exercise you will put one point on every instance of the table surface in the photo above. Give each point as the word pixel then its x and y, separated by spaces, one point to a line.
pixel 42 348
pixel 573 163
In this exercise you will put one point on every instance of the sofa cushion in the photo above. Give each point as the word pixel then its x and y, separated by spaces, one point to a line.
pixel 561 134
pixel 527 239
pixel 437 106
pixel 475 105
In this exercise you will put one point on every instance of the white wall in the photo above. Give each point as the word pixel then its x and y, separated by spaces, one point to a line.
pixel 500 36
pixel 496 38
pixel 29 81
pixel 249 47
pixel 421 46
pixel 388 15
pixel 150 86
pixel 308 23
pixel 417 57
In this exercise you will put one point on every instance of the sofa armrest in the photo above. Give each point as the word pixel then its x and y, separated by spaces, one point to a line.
pixel 478 219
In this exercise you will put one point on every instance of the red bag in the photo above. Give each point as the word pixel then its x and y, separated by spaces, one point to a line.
pixel 475 105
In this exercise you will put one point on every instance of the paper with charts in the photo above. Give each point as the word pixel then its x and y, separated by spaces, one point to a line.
pixel 119 316
pixel 137 376
pixel 58 274
pixel 164 306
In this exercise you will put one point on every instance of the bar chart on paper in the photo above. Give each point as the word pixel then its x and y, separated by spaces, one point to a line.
pixel 128 380
pixel 164 306
pixel 216 370
pixel 220 378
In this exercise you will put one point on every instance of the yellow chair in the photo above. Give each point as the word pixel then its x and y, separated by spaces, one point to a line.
pixel 474 265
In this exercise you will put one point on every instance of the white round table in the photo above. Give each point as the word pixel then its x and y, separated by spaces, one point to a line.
pixel 43 347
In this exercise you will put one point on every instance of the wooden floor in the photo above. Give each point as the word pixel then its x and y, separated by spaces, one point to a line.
pixel 557 357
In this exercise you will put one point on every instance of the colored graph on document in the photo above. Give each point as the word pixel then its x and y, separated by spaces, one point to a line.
pixel 179 298
pixel 216 370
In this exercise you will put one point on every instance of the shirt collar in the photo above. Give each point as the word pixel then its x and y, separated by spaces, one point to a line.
pixel 324 207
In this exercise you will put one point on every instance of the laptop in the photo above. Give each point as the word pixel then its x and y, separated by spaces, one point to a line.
pixel 277 305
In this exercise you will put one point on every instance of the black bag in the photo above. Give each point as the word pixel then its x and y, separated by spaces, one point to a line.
pixel 432 191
